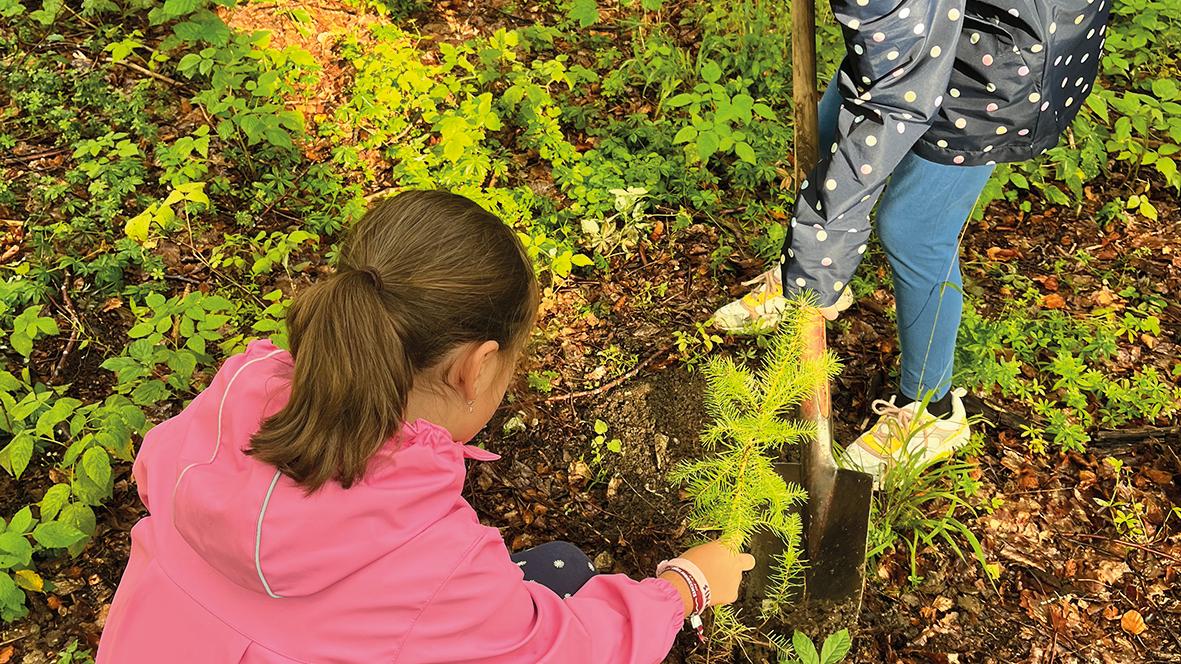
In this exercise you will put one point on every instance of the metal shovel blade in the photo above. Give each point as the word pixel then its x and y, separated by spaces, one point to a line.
pixel 836 516
pixel 834 543
pixel 836 537
pixel 836 524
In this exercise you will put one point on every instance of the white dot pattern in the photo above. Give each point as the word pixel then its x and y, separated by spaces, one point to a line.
pixel 996 82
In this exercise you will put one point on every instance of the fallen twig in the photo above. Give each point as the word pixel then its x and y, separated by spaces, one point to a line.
pixel 148 72
pixel 1141 547
pixel 75 326
pixel 1137 435
pixel 612 384
pixel 33 156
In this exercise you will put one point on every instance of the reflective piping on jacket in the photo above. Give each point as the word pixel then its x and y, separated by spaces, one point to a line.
pixel 258 536
pixel 220 407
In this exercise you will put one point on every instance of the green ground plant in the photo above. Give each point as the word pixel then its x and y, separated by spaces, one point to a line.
pixel 922 503
pixel 1069 391
pixel 804 651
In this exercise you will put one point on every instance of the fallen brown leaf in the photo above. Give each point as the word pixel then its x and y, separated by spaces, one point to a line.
pixel 1133 623
pixel 1161 477
pixel 1053 301
pixel 999 254
pixel 6 654
pixel 1111 571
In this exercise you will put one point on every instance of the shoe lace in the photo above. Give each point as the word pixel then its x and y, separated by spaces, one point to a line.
pixel 898 415
pixel 767 281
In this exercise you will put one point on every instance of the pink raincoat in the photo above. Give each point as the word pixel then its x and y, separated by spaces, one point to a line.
pixel 236 564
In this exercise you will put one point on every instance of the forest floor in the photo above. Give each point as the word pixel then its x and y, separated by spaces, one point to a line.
pixel 1070 586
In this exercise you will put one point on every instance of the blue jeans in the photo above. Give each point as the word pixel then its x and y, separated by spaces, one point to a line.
pixel 919 220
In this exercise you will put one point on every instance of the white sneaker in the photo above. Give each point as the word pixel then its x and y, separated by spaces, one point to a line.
pixel 906 433
pixel 760 310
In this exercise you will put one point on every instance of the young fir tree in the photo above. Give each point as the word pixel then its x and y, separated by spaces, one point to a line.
pixel 735 489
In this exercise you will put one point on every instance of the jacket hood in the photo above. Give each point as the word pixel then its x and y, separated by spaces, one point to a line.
pixel 259 528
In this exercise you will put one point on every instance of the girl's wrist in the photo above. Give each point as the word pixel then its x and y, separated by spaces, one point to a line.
pixel 682 589
pixel 697 578
pixel 699 595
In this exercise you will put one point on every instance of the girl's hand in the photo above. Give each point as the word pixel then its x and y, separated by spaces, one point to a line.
pixel 722 568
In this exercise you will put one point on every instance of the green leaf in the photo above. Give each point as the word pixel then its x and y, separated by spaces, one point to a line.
pixel 615 445
pixel 685 135
pixel 174 8
pixel 149 392
pixel 15 550
pixel 585 12
pixel 764 111
pixel 1167 168
pixel 183 363
pixel 12 600
pixel 76 449
pixel 81 517
pixel 97 464
pixel 711 72
pixel 61 410
pixel 1099 106
pixel 21 342
pixel 22 521
pixel 600 427
pixel 1164 89
pixel 745 152
pixel 57 535
pixel 54 500
pixel 141 329
pixel 836 646
pixel 47 327
pixel 804 648
pixel 16 455
pixel 683 99
pixel 10 8
pixel 707 144
pixel 29 405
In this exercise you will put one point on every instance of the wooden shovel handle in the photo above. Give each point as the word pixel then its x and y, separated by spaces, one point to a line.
pixel 819 405
pixel 803 86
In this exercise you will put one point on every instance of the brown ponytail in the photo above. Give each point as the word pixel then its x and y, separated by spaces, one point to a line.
pixel 420 274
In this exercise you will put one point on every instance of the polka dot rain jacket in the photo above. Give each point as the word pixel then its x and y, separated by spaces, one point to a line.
pixel 963 83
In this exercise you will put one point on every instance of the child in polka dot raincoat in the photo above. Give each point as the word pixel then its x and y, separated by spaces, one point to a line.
pixel 306 506
pixel 931 95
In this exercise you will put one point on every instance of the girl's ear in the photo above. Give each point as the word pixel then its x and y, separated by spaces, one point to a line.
pixel 475 363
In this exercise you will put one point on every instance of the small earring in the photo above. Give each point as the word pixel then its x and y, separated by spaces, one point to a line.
pixel 471 406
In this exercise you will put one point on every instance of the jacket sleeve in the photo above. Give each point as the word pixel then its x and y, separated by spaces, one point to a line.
pixel 898 65
pixel 486 612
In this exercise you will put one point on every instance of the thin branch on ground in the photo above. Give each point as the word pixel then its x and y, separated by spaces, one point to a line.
pixel 612 384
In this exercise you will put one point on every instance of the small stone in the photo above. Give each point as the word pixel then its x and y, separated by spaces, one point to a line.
pixel 605 562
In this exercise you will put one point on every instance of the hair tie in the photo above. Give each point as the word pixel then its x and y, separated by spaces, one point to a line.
pixel 375 277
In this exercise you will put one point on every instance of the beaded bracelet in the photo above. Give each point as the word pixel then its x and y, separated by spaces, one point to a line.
pixel 699 590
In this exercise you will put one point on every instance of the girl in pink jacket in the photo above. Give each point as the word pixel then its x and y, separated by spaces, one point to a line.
pixel 306 507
